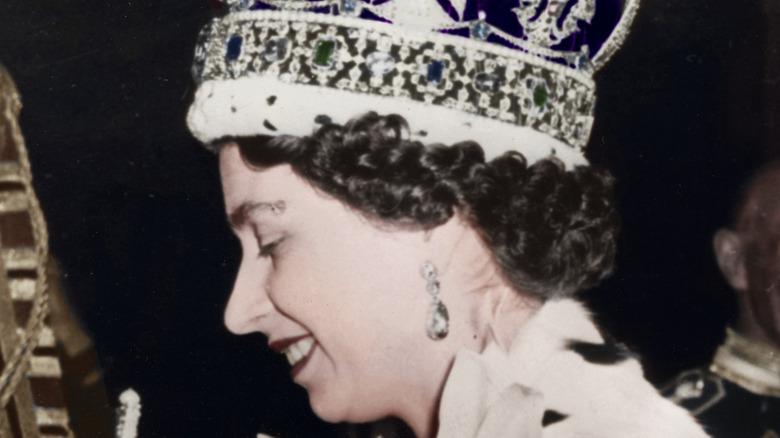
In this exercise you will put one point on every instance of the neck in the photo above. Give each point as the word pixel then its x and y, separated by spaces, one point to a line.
pixel 425 427
pixel 510 313
pixel 750 328
pixel 483 308
pixel 507 313
pixel 755 322
pixel 420 408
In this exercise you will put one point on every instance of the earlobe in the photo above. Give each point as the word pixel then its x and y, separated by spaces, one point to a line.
pixel 728 252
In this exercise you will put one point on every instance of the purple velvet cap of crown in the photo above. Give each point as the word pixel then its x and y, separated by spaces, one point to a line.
pixel 512 74
pixel 499 14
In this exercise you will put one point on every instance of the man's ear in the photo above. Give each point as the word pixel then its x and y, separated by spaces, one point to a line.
pixel 731 260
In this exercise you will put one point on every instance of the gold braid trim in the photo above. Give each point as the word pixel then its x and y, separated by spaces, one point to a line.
pixel 750 364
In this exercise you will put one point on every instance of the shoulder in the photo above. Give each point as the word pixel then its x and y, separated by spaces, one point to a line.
pixel 590 381
pixel 561 378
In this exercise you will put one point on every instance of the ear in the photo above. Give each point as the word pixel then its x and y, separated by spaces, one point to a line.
pixel 731 260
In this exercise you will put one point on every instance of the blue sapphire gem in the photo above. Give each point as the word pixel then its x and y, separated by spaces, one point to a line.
pixel 480 30
pixel 234 47
pixel 582 61
pixel 435 71
pixel 246 3
pixel 349 6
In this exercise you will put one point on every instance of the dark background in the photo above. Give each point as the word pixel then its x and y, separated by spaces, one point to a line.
pixel 685 113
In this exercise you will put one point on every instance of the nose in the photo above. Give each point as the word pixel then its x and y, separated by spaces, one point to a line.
pixel 249 307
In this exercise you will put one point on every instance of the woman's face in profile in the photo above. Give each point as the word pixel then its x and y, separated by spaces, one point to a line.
pixel 342 298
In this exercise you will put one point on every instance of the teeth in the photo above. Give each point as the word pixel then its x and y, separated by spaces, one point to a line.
pixel 298 350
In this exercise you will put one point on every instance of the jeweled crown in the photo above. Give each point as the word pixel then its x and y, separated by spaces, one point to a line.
pixel 510 74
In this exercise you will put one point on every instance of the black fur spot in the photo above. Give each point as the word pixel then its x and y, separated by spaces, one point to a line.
pixel 271 100
pixel 551 417
pixel 608 353
pixel 268 125
pixel 322 119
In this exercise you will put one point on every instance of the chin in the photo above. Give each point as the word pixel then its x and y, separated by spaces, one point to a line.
pixel 327 407
pixel 334 409
pixel 326 413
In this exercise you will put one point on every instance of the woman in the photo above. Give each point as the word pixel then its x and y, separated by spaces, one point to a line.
pixel 419 279
pixel 335 229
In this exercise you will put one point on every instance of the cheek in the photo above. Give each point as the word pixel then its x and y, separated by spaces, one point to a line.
pixel 764 279
pixel 359 293
pixel 319 292
pixel 765 268
pixel 344 278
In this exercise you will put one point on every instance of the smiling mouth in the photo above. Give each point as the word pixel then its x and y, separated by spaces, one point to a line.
pixel 298 350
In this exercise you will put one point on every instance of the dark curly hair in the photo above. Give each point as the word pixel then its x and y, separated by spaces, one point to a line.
pixel 552 231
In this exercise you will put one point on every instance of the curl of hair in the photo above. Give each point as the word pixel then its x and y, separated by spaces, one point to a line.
pixel 551 231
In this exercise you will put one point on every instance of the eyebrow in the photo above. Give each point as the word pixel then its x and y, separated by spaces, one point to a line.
pixel 240 214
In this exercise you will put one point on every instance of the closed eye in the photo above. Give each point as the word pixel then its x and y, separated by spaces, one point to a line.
pixel 268 250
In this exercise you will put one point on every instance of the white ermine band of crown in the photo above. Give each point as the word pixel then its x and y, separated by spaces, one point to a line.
pixel 454 83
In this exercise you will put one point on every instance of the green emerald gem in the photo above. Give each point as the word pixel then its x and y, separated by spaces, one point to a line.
pixel 540 95
pixel 324 52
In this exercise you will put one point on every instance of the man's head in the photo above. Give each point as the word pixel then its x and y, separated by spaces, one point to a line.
pixel 749 256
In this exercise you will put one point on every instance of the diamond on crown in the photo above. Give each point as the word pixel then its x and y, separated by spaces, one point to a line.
pixel 548 22
pixel 380 63
pixel 490 82
pixel 275 49
pixel 349 6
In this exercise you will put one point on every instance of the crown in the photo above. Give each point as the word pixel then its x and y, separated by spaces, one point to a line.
pixel 510 74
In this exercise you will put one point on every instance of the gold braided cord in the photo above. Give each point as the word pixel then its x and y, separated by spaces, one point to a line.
pixel 19 361
pixel 16 369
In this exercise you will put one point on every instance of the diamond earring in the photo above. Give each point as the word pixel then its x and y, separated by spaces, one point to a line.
pixel 438 318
